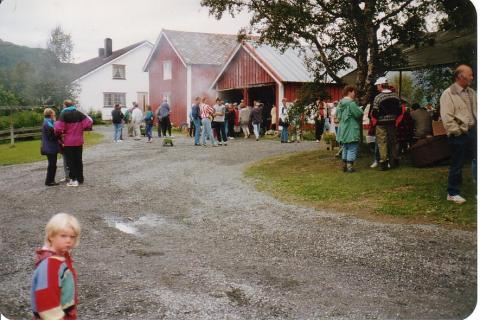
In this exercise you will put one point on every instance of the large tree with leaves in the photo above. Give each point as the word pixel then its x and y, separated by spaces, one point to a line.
pixel 60 44
pixel 370 32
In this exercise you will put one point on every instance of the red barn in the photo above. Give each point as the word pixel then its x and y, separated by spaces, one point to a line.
pixel 182 65
pixel 262 72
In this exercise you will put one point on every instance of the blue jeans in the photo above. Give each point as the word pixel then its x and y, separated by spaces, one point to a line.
pixel 198 124
pixel 256 130
pixel 148 131
pixel 459 147
pixel 226 128
pixel 284 134
pixel 349 153
pixel 207 131
pixel 117 131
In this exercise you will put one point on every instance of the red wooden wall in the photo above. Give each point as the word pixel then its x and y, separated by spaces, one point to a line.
pixel 243 71
pixel 292 90
pixel 177 86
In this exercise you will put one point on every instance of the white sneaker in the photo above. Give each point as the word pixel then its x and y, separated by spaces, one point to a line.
pixel 374 164
pixel 457 199
pixel 231 138
pixel 72 183
pixel 63 180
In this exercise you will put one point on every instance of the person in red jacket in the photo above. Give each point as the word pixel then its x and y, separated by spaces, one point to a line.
pixel 54 284
pixel 71 124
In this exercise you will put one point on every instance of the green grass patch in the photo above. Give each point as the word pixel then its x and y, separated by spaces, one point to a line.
pixel 315 179
pixel 29 151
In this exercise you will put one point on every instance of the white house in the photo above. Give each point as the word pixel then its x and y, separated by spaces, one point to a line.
pixel 113 77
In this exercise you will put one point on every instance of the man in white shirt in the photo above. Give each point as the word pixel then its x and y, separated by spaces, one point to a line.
pixel 137 118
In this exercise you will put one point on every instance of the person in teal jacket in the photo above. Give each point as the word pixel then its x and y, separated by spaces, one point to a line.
pixel 350 116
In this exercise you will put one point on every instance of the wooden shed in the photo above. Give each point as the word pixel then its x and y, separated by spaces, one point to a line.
pixel 261 72
pixel 182 65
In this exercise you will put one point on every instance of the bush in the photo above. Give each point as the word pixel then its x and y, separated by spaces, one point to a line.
pixel 22 119
pixel 96 117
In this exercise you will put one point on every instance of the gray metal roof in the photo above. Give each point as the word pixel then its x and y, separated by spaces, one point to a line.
pixel 202 48
pixel 289 65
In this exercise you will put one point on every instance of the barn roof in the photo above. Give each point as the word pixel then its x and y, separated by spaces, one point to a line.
pixel 197 47
pixel 289 65
pixel 83 68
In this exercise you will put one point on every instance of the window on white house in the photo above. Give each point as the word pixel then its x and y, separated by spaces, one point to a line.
pixel 112 98
pixel 118 71
pixel 167 70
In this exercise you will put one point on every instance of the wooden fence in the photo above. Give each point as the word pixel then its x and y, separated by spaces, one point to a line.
pixel 12 133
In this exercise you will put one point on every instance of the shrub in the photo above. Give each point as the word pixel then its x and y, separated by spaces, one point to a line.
pixel 96 117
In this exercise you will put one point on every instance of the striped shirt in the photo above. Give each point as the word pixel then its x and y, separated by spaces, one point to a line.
pixel 205 110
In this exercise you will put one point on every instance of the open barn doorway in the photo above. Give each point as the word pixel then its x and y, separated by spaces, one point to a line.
pixel 266 95
pixel 231 96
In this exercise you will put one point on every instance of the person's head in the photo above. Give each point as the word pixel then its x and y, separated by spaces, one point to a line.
pixel 349 91
pixel 463 75
pixel 284 101
pixel 134 104
pixel 415 106
pixel 62 233
pixel 149 108
pixel 68 103
pixel 381 83
pixel 117 106
pixel 429 106
pixel 49 113
pixel 204 99
pixel 197 100
pixel 218 100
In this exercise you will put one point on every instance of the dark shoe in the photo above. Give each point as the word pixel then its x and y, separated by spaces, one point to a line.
pixel 383 166
pixel 344 166
pixel 395 164
pixel 50 184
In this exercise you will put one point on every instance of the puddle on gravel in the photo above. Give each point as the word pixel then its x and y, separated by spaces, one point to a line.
pixel 135 226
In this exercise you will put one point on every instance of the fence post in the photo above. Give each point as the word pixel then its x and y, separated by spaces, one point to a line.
pixel 12 136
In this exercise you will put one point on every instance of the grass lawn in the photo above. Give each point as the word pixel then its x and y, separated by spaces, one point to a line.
pixel 29 151
pixel 315 179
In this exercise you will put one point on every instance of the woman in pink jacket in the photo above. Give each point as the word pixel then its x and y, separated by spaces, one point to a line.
pixel 71 124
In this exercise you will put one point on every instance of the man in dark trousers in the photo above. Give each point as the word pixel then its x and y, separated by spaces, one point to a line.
pixel 163 117
pixel 386 109
pixel 458 108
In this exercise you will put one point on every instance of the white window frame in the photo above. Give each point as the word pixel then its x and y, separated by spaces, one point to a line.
pixel 122 68
pixel 167 70
pixel 112 98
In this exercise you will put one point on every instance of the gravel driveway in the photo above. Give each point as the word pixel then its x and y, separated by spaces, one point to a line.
pixel 178 233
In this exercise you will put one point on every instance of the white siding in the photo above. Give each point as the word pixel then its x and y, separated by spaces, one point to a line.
pixel 95 84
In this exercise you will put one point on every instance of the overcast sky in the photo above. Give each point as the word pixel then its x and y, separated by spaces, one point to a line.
pixel 29 22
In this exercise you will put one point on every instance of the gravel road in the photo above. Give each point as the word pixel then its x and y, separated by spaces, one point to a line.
pixel 178 233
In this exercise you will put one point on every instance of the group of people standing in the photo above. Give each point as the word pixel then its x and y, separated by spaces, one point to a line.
pixel 134 117
pixel 65 136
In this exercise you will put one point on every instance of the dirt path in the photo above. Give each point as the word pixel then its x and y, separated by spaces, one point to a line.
pixel 177 233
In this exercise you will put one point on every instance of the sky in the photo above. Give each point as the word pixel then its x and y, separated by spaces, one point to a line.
pixel 89 22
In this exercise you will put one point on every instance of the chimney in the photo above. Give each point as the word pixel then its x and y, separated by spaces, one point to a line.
pixel 108 47
pixel 101 52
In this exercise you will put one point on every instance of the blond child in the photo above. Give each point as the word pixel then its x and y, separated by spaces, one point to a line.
pixel 54 284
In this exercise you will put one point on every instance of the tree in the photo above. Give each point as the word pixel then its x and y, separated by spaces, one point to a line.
pixel 407 85
pixel 368 33
pixel 60 43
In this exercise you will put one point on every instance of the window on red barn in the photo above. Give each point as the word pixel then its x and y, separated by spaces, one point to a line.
pixel 167 70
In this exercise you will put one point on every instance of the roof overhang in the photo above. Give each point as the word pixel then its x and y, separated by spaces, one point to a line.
pixel 251 51
pixel 112 61
pixel 152 54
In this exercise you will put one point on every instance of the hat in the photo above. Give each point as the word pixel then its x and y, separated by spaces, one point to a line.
pixel 381 80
